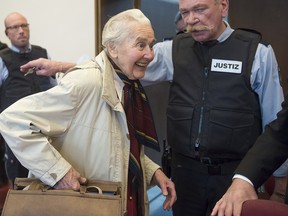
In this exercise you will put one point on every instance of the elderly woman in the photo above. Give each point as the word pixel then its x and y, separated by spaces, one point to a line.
pixel 95 121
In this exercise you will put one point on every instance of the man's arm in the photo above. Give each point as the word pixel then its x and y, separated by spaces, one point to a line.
pixel 265 81
pixel 161 68
pixel 268 153
pixel 267 85
pixel 46 67
pixel 231 202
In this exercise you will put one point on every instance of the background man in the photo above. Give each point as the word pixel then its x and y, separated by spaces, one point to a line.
pixel 13 84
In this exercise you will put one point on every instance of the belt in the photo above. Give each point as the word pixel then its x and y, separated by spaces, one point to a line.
pixel 213 161
pixel 205 165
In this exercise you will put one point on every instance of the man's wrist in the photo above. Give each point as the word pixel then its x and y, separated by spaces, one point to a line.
pixel 238 176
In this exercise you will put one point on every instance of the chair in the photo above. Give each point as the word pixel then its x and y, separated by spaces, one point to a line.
pixel 264 208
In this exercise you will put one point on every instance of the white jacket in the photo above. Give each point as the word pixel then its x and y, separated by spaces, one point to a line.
pixel 79 123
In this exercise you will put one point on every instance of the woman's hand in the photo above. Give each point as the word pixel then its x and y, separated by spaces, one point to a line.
pixel 167 187
pixel 71 180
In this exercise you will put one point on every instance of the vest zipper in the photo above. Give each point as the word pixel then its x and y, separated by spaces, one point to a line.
pixel 198 139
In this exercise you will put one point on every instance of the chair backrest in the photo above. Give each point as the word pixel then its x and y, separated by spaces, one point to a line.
pixel 264 208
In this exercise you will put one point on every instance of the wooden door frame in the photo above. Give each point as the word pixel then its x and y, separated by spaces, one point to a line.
pixel 98 21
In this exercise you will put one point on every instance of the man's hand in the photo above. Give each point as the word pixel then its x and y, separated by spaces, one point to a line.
pixel 231 202
pixel 71 180
pixel 46 67
pixel 167 187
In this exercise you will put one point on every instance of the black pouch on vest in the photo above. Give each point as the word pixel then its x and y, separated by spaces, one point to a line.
pixel 166 159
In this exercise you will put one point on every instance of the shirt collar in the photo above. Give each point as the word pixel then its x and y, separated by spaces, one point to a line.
pixel 15 49
pixel 228 31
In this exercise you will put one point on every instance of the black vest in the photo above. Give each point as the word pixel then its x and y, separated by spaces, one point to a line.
pixel 213 112
pixel 17 85
pixel 2 45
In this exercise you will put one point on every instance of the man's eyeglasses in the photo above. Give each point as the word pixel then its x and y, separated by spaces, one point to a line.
pixel 16 27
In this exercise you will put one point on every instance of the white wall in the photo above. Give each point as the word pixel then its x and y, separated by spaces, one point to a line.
pixel 64 27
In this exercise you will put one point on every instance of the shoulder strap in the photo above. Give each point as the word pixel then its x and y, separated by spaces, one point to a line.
pixel 254 37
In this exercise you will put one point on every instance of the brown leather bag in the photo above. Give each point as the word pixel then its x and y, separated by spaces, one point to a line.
pixel 99 198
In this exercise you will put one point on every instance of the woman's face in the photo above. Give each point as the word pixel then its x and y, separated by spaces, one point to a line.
pixel 136 52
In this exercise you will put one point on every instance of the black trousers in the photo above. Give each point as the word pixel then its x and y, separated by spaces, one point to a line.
pixel 13 167
pixel 199 186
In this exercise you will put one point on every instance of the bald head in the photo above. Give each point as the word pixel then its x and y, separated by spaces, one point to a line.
pixel 12 17
pixel 17 30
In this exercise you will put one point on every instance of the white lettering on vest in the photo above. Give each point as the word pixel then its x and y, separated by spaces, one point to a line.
pixel 226 66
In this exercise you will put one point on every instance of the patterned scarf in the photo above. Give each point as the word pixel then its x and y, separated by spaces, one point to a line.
pixel 142 132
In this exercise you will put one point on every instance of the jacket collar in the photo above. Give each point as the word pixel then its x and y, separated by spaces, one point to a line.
pixel 112 84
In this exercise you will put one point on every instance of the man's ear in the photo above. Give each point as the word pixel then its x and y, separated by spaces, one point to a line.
pixel 225 6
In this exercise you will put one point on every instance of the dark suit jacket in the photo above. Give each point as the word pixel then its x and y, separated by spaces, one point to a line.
pixel 269 151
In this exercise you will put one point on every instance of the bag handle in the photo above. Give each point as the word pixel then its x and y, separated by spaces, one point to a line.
pixel 38 185
pixel 93 189
pixel 84 188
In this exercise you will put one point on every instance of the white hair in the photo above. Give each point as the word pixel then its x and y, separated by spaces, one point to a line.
pixel 120 26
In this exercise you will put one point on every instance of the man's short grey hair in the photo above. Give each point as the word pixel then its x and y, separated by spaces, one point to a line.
pixel 178 17
pixel 120 26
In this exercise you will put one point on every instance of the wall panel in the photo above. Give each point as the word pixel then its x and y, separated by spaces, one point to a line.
pixel 65 27
pixel 270 18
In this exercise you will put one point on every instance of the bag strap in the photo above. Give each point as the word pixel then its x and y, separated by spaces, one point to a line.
pixel 89 186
